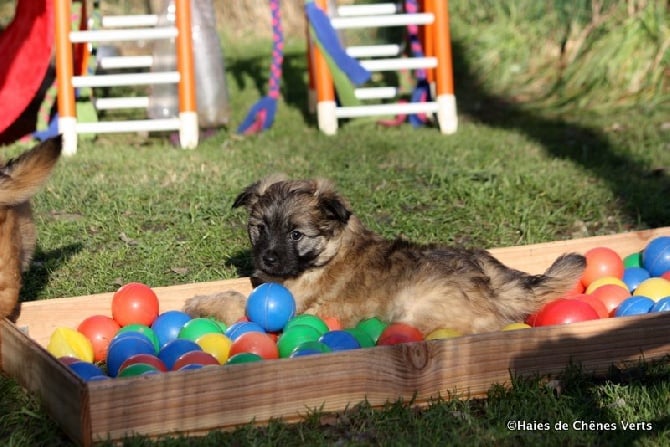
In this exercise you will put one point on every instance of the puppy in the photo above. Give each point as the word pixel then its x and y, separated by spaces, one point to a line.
pixel 20 179
pixel 304 235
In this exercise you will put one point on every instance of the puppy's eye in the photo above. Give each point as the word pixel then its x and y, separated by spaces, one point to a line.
pixel 295 235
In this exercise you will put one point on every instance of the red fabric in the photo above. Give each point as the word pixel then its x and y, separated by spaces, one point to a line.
pixel 25 53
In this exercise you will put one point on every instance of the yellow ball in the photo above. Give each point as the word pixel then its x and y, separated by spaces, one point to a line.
pixel 68 342
pixel 515 326
pixel 442 333
pixel 603 281
pixel 654 288
pixel 216 344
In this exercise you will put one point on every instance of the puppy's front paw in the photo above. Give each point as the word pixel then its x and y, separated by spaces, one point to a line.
pixel 228 306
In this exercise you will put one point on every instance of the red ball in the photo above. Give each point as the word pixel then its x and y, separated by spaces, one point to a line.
pixel 596 304
pixel 611 295
pixel 135 303
pixel 562 311
pixel 600 262
pixel 396 333
pixel 259 343
pixel 100 330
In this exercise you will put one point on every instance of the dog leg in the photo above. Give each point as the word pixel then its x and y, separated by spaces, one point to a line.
pixel 228 306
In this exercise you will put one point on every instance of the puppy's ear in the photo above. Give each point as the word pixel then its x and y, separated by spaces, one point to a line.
pixel 332 204
pixel 252 192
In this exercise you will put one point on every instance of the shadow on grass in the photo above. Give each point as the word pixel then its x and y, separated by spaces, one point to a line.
pixel 242 263
pixel 44 263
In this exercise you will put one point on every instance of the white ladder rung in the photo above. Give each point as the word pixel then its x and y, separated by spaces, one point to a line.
pixel 375 92
pixel 373 50
pixel 401 63
pixel 119 21
pixel 366 10
pixel 423 18
pixel 386 109
pixel 126 102
pixel 114 62
pixel 115 80
pixel 149 125
pixel 120 35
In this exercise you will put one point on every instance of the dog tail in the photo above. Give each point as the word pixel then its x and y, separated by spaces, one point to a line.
pixel 22 177
pixel 521 294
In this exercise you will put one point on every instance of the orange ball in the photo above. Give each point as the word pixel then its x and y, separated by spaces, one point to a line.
pixel 605 280
pixel 597 305
pixel 134 303
pixel 611 295
pixel 396 333
pixel 600 262
pixel 99 329
pixel 258 343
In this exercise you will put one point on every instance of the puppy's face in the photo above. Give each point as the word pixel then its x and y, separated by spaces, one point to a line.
pixel 293 225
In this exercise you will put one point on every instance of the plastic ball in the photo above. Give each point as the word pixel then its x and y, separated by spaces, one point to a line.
pixel 333 323
pixel 339 340
pixel 564 311
pixel 86 370
pixel 635 305
pixel 197 327
pixel 515 326
pixel 68 342
pixel 656 256
pixel 242 327
pixel 257 343
pixel 295 336
pixel 362 337
pixel 168 324
pixel 633 260
pixel 99 329
pixel 596 304
pixel 396 333
pixel 654 288
pixel 307 320
pixel 270 305
pixel 136 369
pixel 601 261
pixel 244 357
pixel 134 303
pixel 175 349
pixel 633 276
pixel 194 358
pixel 121 348
pixel 373 327
pixel 662 305
pixel 147 359
pixel 144 330
pixel 310 348
pixel 604 281
pixel 611 296
pixel 217 345
pixel 443 333
pixel 666 275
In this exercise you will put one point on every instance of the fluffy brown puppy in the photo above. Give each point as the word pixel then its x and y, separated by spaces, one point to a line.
pixel 304 235
pixel 20 179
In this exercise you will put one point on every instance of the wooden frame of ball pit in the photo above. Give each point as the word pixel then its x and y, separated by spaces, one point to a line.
pixel 196 402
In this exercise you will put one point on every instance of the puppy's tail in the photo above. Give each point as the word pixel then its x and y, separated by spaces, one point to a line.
pixel 23 176
pixel 520 294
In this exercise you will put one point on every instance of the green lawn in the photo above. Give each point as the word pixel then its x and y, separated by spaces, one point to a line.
pixel 128 208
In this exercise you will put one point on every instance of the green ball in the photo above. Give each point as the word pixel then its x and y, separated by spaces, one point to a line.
pixel 310 347
pixel 294 336
pixel 633 260
pixel 244 357
pixel 136 369
pixel 361 336
pixel 197 327
pixel 373 327
pixel 307 320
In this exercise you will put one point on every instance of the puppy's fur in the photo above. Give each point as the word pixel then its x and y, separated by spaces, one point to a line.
pixel 304 235
pixel 20 179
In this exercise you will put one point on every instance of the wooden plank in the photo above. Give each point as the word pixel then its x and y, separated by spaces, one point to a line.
pixel 63 395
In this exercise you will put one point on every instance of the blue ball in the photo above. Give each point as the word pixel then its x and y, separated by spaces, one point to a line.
pixel 633 276
pixel 339 340
pixel 635 305
pixel 168 324
pixel 662 305
pixel 171 352
pixel 123 346
pixel 270 305
pixel 242 327
pixel 656 256
pixel 87 371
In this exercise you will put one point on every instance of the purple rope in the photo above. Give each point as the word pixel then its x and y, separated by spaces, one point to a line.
pixel 277 51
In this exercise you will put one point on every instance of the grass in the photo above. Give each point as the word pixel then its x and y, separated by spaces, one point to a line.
pixel 129 208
